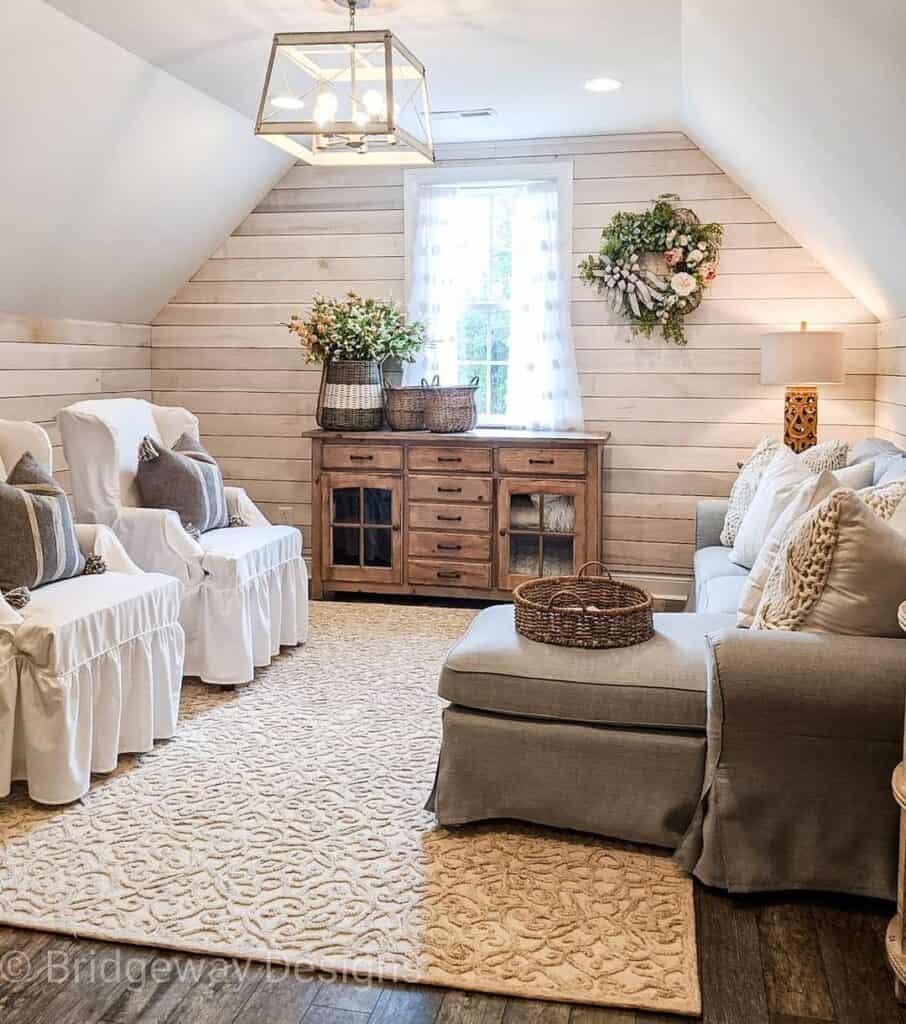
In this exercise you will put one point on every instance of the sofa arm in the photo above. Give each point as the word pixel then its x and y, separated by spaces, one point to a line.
pixel 240 504
pixel 95 539
pixel 808 684
pixel 156 541
pixel 709 522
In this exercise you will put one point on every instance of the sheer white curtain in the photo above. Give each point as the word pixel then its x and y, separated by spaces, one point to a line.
pixel 543 392
pixel 447 256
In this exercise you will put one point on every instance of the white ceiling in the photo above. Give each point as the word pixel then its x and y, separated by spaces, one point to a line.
pixel 527 60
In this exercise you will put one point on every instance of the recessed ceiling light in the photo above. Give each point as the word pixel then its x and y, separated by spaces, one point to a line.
pixel 287 102
pixel 603 85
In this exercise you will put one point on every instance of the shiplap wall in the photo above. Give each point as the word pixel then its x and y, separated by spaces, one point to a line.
pixel 890 391
pixel 47 364
pixel 681 418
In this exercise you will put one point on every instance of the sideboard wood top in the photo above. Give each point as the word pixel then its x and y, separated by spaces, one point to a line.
pixel 479 436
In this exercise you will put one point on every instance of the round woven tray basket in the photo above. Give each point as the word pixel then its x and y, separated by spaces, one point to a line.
pixel 583 611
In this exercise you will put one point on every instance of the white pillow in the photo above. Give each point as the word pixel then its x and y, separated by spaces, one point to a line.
pixel 841 568
pixel 828 455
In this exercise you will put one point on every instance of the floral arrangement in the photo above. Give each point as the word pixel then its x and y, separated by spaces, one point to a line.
pixel 655 266
pixel 357 328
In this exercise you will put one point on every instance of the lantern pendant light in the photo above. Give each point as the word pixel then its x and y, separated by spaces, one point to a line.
pixel 346 99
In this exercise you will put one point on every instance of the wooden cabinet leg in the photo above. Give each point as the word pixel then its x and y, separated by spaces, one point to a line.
pixel 899 990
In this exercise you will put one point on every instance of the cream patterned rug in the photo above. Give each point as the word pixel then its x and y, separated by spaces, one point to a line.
pixel 285 823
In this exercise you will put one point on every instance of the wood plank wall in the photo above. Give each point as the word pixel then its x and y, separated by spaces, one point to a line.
pixel 680 417
pixel 890 391
pixel 47 364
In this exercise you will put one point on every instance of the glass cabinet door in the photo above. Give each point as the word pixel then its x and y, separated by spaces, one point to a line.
pixel 360 520
pixel 541 529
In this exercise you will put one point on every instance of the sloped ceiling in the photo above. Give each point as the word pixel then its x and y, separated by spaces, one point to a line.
pixel 117 180
pixel 803 104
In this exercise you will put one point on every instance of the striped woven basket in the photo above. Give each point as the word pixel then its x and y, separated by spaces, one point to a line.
pixel 350 396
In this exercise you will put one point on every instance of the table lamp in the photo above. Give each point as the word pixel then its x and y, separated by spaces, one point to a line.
pixel 800 360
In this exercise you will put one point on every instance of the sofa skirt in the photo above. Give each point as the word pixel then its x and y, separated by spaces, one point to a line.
pixel 231 631
pixel 58 729
pixel 632 784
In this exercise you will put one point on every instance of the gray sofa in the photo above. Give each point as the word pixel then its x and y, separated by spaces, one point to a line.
pixel 762 758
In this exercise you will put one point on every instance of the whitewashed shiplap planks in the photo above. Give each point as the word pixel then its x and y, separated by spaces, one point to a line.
pixel 680 418
pixel 890 406
pixel 48 364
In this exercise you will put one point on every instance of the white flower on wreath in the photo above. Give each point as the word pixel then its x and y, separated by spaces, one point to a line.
pixel 683 284
pixel 695 257
pixel 683 240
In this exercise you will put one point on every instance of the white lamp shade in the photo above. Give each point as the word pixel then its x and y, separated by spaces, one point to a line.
pixel 802 357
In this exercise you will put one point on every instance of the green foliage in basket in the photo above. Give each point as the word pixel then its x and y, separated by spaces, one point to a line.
pixel 357 328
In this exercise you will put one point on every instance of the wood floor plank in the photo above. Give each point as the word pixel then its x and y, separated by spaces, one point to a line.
pixel 791 962
pixel 333 1015
pixel 603 1015
pixel 860 982
pixel 25 988
pixel 530 1011
pixel 471 1008
pixel 281 997
pixel 220 993
pixel 152 998
pixel 346 995
pixel 729 960
pixel 407 1004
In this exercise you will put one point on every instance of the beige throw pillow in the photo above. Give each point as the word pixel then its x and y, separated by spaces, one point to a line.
pixel 829 455
pixel 842 568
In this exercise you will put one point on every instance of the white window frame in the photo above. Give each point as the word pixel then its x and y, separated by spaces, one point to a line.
pixel 558 171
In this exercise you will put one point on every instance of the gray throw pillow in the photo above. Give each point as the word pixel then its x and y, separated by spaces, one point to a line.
pixel 186 479
pixel 38 541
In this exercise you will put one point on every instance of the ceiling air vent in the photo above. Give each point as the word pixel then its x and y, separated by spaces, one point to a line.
pixel 462 115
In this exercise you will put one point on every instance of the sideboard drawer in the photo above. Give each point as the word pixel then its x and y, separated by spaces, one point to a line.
pixel 473 546
pixel 451 488
pixel 449 574
pixel 542 461
pixel 362 456
pixel 462 460
pixel 449 517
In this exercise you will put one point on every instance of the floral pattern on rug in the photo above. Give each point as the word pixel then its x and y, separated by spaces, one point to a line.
pixel 285 823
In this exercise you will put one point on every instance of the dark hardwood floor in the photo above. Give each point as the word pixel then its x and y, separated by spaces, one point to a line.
pixel 795 960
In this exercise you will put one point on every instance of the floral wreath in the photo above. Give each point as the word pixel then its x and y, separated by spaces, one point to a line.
pixel 654 266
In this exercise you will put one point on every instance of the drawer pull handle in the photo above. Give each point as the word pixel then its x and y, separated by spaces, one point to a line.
pixel 449 490
pixel 449 458
pixel 448 575
pixel 361 458
pixel 449 547
pixel 449 519
pixel 541 462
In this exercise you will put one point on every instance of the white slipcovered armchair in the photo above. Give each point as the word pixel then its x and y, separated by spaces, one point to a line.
pixel 245 589
pixel 91 667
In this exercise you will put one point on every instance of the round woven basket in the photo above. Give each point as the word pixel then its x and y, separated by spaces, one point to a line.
pixel 450 410
pixel 404 408
pixel 583 611
pixel 350 396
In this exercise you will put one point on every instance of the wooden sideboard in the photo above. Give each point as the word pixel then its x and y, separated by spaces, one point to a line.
pixel 447 515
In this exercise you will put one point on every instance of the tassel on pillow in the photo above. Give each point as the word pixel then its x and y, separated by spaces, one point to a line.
pixel 95 565
pixel 237 520
pixel 17 598
pixel 147 450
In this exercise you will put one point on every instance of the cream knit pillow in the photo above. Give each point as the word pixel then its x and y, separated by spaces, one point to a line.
pixel 829 455
pixel 842 567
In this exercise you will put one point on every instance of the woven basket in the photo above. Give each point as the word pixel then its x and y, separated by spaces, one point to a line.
pixel 450 410
pixel 404 408
pixel 583 611
pixel 350 396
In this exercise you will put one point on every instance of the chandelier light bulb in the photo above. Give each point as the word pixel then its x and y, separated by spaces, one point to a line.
pixel 373 102
pixel 361 118
pixel 287 102
pixel 325 108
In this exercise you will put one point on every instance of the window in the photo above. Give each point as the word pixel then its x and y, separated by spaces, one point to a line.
pixel 488 269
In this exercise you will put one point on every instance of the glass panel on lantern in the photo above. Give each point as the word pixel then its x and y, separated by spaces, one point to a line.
pixel 559 513
pixel 346 540
pixel 525 554
pixel 525 512
pixel 378 547
pixel 558 556
pixel 378 506
pixel 346 504
pixel 410 95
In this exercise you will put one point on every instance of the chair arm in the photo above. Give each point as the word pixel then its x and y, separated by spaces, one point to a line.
pixel 775 683
pixel 240 504
pixel 156 541
pixel 96 539
pixel 709 522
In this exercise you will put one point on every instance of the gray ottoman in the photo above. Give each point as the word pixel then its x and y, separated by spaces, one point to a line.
pixel 610 742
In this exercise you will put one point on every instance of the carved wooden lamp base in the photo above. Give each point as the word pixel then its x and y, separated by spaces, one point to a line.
pixel 800 418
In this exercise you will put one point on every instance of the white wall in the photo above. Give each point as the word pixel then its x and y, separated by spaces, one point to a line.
pixel 116 179
pixel 802 103
pixel 890 404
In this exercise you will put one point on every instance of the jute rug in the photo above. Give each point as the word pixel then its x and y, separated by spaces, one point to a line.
pixel 285 823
